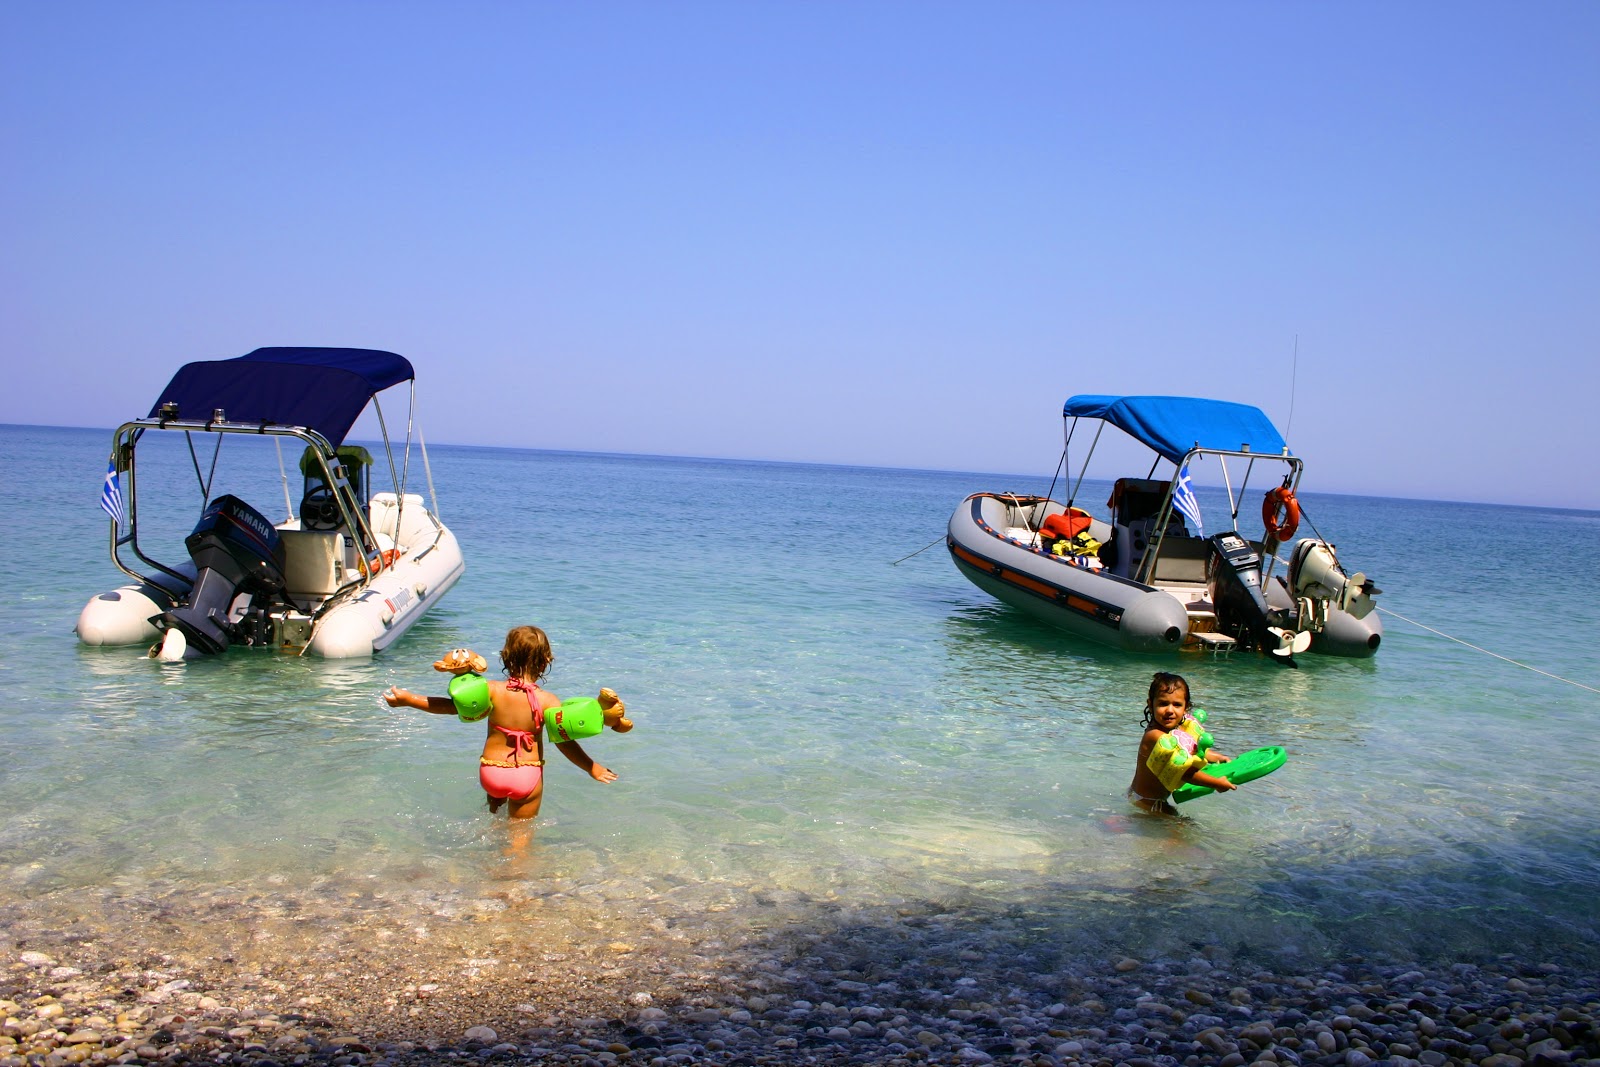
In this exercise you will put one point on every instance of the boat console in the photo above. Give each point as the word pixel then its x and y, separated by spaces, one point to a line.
pixel 1135 506
pixel 319 506
pixel 235 550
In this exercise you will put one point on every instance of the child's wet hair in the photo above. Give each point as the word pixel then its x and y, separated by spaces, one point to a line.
pixel 1160 683
pixel 526 653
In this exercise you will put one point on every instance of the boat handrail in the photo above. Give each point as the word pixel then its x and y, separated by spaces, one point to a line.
pixel 1147 562
pixel 125 444
pixel 123 452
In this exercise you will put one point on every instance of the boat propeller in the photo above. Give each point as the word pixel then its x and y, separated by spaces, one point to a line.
pixel 1290 642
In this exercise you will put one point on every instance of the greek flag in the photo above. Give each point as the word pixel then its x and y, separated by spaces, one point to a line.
pixel 1184 500
pixel 111 494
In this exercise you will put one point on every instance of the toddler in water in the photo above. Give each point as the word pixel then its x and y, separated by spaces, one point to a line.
pixel 512 765
pixel 1174 749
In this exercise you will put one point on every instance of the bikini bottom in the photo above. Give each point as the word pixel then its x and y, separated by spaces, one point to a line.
pixel 510 781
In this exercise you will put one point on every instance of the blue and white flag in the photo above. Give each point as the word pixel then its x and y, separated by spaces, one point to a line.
pixel 111 494
pixel 1184 500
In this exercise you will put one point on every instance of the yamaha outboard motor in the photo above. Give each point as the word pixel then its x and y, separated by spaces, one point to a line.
pixel 1233 578
pixel 235 550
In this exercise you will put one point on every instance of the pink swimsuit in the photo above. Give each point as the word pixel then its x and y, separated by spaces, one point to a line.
pixel 518 779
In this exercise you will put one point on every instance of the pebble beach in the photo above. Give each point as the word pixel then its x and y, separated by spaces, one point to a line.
pixel 358 979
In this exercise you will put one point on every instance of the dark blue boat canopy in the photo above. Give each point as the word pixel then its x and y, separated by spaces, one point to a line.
pixel 321 389
pixel 1175 425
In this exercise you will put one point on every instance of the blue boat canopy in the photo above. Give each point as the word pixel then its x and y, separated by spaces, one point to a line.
pixel 1175 425
pixel 321 389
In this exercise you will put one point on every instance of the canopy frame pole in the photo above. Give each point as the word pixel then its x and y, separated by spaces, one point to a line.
pixel 1234 503
pixel 283 473
pixel 1084 470
pixel 205 480
pixel 427 468
pixel 395 478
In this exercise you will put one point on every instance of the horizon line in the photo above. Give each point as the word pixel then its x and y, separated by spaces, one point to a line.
pixel 862 466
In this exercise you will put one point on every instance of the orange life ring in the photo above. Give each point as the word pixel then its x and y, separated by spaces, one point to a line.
pixel 383 559
pixel 1281 498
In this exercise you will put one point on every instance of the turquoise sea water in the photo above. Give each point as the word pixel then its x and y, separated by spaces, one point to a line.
pixel 821 728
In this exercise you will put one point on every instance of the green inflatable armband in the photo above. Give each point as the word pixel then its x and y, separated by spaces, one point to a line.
pixel 1204 741
pixel 470 694
pixel 576 718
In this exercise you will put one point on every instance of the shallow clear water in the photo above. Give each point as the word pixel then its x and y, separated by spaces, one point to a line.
pixel 820 727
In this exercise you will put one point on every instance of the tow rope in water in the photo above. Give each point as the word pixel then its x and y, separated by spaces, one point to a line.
pixel 1486 652
pixel 919 551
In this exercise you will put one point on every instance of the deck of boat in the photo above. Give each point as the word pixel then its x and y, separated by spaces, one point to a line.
pixel 1182 574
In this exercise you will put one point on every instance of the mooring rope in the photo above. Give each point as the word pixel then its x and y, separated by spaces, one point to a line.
pixel 1468 644
pixel 919 551
pixel 1485 651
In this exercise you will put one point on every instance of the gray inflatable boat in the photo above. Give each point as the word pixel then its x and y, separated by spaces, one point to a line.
pixel 1141 580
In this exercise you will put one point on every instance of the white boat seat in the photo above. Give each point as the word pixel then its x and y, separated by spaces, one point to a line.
pixel 311 561
pixel 1183 559
pixel 406 526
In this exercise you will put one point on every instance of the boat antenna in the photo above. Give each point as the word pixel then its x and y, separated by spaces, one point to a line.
pixel 1294 373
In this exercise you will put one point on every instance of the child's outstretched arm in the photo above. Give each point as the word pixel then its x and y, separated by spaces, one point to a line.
pixel 1221 785
pixel 582 760
pixel 396 697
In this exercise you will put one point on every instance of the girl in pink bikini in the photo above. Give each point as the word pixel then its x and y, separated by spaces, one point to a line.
pixel 512 765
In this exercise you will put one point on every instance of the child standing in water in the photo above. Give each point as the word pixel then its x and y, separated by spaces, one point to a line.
pixel 512 765
pixel 1174 749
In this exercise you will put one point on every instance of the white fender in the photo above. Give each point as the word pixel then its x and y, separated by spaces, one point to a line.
pixel 120 617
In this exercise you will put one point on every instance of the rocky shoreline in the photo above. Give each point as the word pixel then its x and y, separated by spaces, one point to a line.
pixel 385 987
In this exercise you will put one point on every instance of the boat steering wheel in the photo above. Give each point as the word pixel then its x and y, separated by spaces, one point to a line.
pixel 319 510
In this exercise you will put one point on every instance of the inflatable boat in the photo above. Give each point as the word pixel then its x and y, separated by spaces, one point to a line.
pixel 345 577
pixel 1139 578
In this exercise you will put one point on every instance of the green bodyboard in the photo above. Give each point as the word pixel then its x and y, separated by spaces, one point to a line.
pixel 1245 767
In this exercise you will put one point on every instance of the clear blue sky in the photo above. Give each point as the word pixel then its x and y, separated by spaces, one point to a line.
pixel 894 234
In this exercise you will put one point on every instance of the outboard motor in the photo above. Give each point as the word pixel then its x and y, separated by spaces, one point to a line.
pixel 1233 578
pixel 235 550
pixel 1317 580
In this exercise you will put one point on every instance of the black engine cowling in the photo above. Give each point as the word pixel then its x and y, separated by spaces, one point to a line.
pixel 235 550
pixel 1233 577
